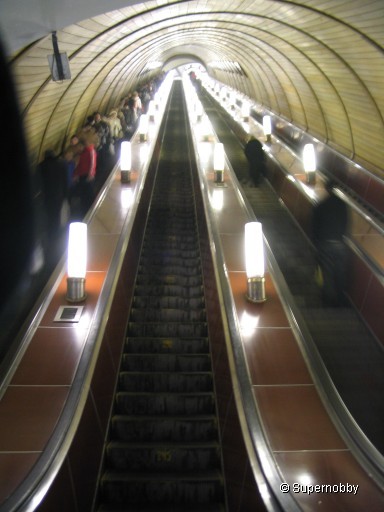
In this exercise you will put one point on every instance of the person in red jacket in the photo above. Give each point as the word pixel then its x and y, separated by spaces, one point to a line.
pixel 85 172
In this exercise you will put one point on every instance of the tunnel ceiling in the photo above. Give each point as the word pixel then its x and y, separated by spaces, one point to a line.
pixel 318 64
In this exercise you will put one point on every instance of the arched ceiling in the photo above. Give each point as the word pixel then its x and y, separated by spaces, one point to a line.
pixel 317 63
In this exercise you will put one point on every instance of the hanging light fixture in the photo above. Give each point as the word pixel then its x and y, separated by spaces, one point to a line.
pixel 267 127
pixel 218 163
pixel 125 161
pixel 309 163
pixel 254 262
pixel 77 262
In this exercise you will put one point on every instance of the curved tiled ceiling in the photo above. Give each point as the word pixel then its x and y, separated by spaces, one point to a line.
pixel 318 64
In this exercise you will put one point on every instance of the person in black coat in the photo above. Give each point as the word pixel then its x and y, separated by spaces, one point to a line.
pixel 330 224
pixel 255 155
pixel 17 219
pixel 54 180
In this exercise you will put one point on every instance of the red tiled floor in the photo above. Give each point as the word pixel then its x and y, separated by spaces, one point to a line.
pixel 51 358
pixel 13 468
pixel 28 416
pixel 274 358
pixel 332 468
pixel 295 419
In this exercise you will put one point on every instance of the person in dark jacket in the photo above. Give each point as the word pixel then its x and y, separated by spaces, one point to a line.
pixel 54 181
pixel 17 216
pixel 255 155
pixel 330 224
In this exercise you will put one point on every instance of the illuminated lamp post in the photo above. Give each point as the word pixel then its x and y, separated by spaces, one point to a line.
pixel 309 163
pixel 218 163
pixel 125 161
pixel 254 262
pixel 199 112
pixel 245 111
pixel 143 127
pixel 267 127
pixel 77 262
pixel 151 111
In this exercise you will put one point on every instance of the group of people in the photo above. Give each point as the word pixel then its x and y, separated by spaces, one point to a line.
pixel 69 182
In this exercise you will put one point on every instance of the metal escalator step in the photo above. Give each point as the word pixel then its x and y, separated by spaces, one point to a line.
pixel 171 245
pixel 171 404
pixel 163 488
pixel 168 289
pixel 167 345
pixel 166 362
pixel 156 507
pixel 164 429
pixel 169 382
pixel 170 254
pixel 167 329
pixel 122 456
pixel 148 314
pixel 169 279
pixel 168 302
pixel 161 269
pixel 166 259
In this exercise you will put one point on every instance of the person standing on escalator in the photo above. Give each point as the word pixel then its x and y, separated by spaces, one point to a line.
pixel 255 155
pixel 330 225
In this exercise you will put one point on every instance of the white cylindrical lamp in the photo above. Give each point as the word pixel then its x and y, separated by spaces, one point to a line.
pixel 254 262
pixel 151 111
pixel 309 163
pixel 218 163
pixel 267 127
pixel 76 262
pixel 245 111
pixel 143 127
pixel 125 161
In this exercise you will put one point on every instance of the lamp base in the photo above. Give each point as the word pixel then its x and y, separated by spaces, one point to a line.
pixel 125 176
pixel 76 289
pixel 256 289
pixel 311 178
pixel 218 177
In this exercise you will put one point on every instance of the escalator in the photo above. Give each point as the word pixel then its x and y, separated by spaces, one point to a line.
pixel 163 451
pixel 351 354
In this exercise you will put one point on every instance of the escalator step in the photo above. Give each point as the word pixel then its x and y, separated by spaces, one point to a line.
pixel 171 279
pixel 171 404
pixel 167 315
pixel 170 254
pixel 169 382
pixel 162 457
pixel 168 289
pixel 168 302
pixel 156 269
pixel 166 363
pixel 167 259
pixel 167 329
pixel 166 345
pixel 163 488
pixel 164 429
pixel 185 507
